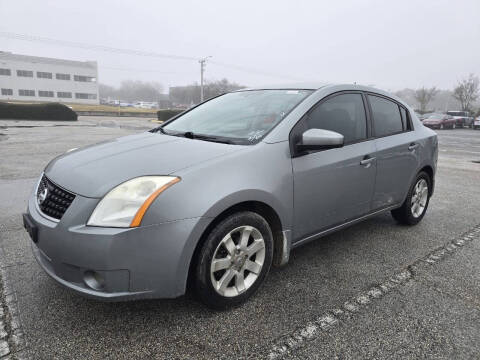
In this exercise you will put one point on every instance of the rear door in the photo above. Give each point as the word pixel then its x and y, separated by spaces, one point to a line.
pixel 335 185
pixel 397 151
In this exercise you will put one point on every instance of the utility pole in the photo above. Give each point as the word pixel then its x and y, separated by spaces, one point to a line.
pixel 202 70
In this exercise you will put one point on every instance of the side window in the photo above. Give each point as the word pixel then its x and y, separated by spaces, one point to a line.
pixel 405 119
pixel 344 114
pixel 386 116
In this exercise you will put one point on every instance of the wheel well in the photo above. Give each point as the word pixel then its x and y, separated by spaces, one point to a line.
pixel 264 210
pixel 429 170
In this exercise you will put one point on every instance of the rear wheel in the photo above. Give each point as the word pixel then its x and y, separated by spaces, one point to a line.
pixel 234 260
pixel 415 205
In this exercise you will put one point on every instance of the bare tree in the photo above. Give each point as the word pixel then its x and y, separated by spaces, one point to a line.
pixel 466 91
pixel 423 96
pixel 130 90
pixel 191 93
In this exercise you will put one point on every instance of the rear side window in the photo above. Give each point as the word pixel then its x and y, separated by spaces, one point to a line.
pixel 386 116
pixel 405 122
pixel 344 114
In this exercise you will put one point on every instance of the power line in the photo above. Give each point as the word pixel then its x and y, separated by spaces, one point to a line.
pixel 16 36
pixel 80 45
pixel 139 70
pixel 256 71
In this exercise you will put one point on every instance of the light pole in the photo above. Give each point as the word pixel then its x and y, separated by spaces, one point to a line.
pixel 202 70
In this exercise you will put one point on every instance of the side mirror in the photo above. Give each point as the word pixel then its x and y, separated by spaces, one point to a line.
pixel 319 139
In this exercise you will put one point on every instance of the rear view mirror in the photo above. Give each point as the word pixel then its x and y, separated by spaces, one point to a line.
pixel 319 139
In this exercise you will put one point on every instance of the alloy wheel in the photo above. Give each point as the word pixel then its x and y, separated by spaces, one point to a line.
pixel 419 198
pixel 237 261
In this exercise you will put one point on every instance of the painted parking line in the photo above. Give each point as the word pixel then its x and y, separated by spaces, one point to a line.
pixel 287 345
pixel 12 339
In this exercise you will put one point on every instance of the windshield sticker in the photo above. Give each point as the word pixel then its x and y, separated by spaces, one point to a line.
pixel 255 135
pixel 295 92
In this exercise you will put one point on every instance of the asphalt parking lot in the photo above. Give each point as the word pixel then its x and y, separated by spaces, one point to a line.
pixel 374 290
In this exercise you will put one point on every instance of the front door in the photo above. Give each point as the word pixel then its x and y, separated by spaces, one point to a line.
pixel 336 185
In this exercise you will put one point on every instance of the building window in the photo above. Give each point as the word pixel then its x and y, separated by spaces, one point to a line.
pixel 42 93
pixel 62 76
pixel 7 92
pixel 23 92
pixel 6 72
pixel 44 75
pixel 64 94
pixel 25 73
pixel 85 96
pixel 84 78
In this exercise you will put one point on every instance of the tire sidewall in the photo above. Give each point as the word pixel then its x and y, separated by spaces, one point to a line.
pixel 203 283
pixel 412 219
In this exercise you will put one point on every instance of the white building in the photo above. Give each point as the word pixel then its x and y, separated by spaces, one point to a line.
pixel 32 78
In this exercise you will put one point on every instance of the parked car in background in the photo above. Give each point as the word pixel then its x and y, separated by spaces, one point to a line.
pixel 249 176
pixel 425 116
pixel 145 105
pixel 440 121
pixel 462 118
pixel 476 123
pixel 125 104
pixel 419 116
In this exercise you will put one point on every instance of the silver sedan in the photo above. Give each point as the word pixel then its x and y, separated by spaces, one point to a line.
pixel 217 195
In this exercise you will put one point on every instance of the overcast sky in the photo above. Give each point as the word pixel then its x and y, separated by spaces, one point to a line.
pixel 389 44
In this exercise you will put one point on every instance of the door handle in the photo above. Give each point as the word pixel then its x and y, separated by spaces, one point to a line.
pixel 367 161
pixel 413 146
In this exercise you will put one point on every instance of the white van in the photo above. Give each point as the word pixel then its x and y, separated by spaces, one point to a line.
pixel 145 105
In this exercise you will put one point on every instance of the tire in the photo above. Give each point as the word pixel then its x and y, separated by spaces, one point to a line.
pixel 224 243
pixel 405 214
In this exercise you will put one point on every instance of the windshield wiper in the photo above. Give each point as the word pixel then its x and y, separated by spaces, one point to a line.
pixel 159 129
pixel 191 135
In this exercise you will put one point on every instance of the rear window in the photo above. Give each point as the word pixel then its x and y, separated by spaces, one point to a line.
pixel 386 116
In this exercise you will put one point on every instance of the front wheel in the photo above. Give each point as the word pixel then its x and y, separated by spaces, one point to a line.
pixel 415 205
pixel 234 260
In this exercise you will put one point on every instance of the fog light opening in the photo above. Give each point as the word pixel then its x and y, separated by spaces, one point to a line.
pixel 94 280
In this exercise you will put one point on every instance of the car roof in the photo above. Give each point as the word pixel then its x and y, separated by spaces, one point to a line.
pixel 296 86
pixel 321 85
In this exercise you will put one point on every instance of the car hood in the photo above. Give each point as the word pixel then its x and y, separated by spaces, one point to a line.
pixel 94 170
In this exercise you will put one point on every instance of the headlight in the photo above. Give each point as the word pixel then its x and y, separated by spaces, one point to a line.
pixel 125 205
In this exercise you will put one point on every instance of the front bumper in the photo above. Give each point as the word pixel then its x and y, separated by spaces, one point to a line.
pixel 114 263
pixel 432 126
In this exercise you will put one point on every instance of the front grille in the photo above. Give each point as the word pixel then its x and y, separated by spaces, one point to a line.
pixel 52 199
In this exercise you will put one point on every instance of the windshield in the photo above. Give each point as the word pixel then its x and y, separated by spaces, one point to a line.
pixel 246 115
pixel 457 113
pixel 436 116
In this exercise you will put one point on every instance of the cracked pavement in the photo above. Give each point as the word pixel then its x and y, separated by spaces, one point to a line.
pixel 434 313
